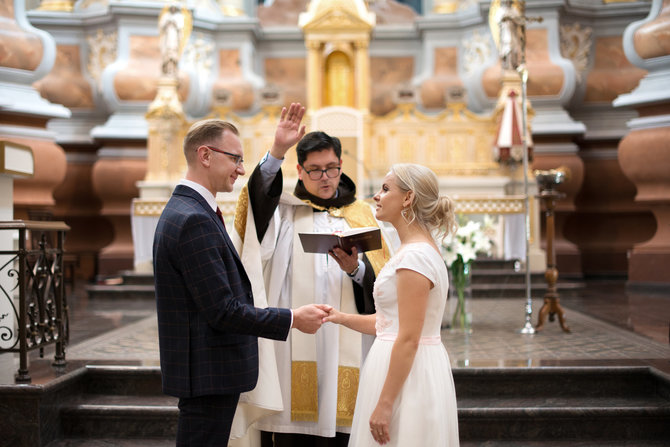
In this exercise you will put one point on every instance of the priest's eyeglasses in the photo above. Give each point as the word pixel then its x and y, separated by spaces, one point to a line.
pixel 316 174
pixel 237 159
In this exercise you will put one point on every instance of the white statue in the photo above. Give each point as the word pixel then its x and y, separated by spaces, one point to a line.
pixel 171 24
pixel 512 35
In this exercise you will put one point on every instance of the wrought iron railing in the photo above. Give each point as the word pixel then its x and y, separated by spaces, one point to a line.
pixel 35 272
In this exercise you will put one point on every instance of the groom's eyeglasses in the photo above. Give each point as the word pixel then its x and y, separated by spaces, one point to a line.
pixel 237 159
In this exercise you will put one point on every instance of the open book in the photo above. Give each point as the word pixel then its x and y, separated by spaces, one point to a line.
pixel 364 239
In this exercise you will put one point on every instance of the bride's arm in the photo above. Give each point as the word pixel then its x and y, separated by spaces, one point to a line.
pixel 360 323
pixel 413 289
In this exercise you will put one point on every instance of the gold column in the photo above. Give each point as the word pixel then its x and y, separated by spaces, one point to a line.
pixel 362 73
pixel 167 128
pixel 314 75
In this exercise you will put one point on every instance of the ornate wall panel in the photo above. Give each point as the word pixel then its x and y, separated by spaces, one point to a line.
pixel 612 74
pixel 65 84
pixel 387 74
pixel 433 91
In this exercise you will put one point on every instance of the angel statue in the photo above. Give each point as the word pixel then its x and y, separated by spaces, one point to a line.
pixel 174 25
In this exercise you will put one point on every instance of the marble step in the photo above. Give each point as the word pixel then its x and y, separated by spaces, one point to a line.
pixel 522 405
pixel 495 264
pixel 604 423
pixel 550 382
pixel 479 290
pixel 564 443
pixel 629 382
pixel 122 380
pixel 506 290
pixel 581 423
pixel 112 442
pixel 493 286
pixel 121 291
pixel 135 416
pixel 137 278
pixel 500 276
pixel 491 278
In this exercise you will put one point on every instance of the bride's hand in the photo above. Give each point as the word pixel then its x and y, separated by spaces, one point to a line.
pixel 334 316
pixel 379 423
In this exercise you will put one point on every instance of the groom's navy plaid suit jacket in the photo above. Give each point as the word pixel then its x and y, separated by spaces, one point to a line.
pixel 207 323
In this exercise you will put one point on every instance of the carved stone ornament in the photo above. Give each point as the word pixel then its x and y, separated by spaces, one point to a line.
pixel 456 94
pixel 271 95
pixel 576 46
pixel 476 51
pixel 222 98
pixel 199 55
pixel 101 52
pixel 405 94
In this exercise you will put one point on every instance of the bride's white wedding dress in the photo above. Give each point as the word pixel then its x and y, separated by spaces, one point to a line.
pixel 424 414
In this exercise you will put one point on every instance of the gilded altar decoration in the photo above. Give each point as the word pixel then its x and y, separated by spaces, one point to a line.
pixel 232 8
pixel 337 37
pixel 445 6
pixel 339 80
pixel 57 5
pixel 452 6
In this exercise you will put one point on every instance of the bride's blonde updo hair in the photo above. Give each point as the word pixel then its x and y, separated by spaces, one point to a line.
pixel 429 209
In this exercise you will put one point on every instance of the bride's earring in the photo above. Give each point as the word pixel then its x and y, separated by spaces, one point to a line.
pixel 403 213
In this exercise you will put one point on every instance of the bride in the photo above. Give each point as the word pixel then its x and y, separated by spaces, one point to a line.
pixel 406 392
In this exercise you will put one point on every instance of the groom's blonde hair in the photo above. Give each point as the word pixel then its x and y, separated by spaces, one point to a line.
pixel 205 132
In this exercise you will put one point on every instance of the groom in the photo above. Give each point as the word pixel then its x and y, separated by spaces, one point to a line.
pixel 207 323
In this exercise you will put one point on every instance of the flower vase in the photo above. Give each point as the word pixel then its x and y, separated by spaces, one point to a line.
pixel 461 317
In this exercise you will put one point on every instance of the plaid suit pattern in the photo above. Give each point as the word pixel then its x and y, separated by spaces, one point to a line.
pixel 207 323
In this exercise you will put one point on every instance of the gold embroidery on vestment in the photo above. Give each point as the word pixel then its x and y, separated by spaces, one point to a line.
pixel 347 389
pixel 241 210
pixel 304 392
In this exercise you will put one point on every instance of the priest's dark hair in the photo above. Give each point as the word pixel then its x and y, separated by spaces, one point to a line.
pixel 316 142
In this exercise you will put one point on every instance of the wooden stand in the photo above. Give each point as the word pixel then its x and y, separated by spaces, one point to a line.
pixel 551 304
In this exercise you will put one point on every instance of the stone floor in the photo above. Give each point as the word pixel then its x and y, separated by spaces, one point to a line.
pixel 610 325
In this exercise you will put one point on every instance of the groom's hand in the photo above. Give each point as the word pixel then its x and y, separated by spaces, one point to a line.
pixel 308 318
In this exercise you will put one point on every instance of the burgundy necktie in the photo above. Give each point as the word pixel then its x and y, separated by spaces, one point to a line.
pixel 220 214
